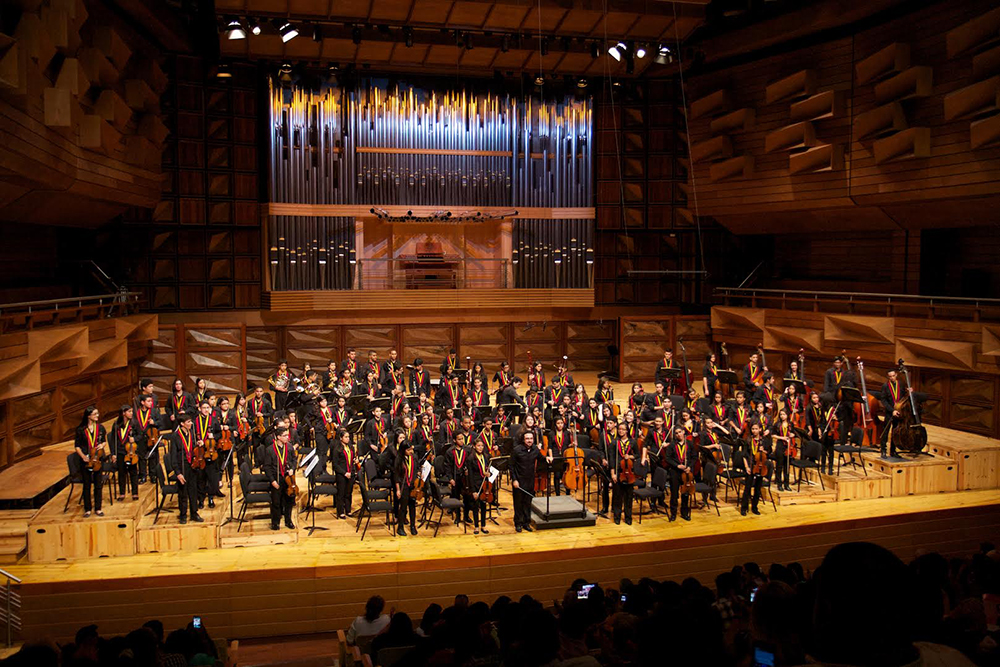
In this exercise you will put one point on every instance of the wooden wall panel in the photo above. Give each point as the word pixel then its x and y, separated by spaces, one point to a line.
pixel 644 340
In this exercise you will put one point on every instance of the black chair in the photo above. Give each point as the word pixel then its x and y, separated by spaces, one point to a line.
pixel 765 485
pixel 75 465
pixel 378 488
pixel 811 452
pixel 254 493
pixel 443 504
pixel 323 484
pixel 369 507
pixel 701 488
pixel 168 487
pixel 656 490
pixel 850 454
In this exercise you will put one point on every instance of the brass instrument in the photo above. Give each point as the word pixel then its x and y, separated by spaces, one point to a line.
pixel 279 383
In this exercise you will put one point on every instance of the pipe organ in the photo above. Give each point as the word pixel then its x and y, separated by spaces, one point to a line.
pixel 459 153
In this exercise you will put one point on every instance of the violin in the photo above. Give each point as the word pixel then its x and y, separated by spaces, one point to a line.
pixel 291 487
pixel 260 424
pixel 331 431
pixel 211 452
pixel 575 477
pixel 417 492
pixel 760 462
pixel 243 428
pixel 131 452
pixel 198 456
pixel 626 471
pixel 226 442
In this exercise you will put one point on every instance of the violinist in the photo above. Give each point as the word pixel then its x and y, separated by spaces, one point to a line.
pixel 751 489
pixel 369 386
pixel 392 373
pixel 405 412
pixel 448 394
pixel 449 364
pixel 259 413
pixel 740 415
pixel 559 439
pixel 228 423
pixel 407 470
pixel 694 403
pixel 719 411
pixel 478 394
pixel 762 417
pixel 536 377
pixel 766 394
pixel 556 392
pixel 662 366
pixel 147 423
pixel 446 431
pixel 179 457
pixel 533 400
pixel 200 389
pixel 206 434
pixel 681 457
pixel 322 424
pixel 794 402
pixel 124 438
pixel 783 434
pixel 279 462
pixel 605 392
pixel 562 377
pixel 90 442
pixel 376 431
pixel 244 427
pixel 690 426
pixel 712 456
pixel 624 449
pixel 529 423
pixel 522 471
pixel 834 379
pixel 469 408
pixel 503 377
pixel 817 417
pixel 654 445
pixel 753 373
pixel 488 437
pixel 374 368
pixel 580 400
pixel 637 398
pixel 420 379
pixel 466 429
pixel 632 425
pixel 456 471
pixel 478 372
pixel 655 402
pixel 478 477
pixel 345 465
pixel 396 401
pixel 710 373
pixel 604 446
pixel 423 438
pixel 350 364
pixel 179 403
pixel 593 417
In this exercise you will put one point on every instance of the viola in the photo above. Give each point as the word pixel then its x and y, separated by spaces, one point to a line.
pixel 626 471
pixel 243 430
pixel 97 456
pixel 291 486
pixel 331 430
pixel 417 492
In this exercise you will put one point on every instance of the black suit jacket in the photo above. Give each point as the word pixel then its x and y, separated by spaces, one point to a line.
pixel 523 466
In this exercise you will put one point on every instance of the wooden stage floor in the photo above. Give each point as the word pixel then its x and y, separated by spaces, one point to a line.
pixel 319 583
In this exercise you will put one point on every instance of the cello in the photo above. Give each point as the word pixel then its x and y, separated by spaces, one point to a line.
pixel 575 476
pixel 863 410
pixel 542 477
pixel 909 435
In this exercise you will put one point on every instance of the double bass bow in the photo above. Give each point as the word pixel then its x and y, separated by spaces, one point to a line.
pixel 864 409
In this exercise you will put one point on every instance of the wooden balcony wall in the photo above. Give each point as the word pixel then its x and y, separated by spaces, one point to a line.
pixel 904 114
pixel 956 362
pixel 49 375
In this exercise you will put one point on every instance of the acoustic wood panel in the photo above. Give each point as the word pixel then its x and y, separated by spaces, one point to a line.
pixel 644 340
pixel 425 299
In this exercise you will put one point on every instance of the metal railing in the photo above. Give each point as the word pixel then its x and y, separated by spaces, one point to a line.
pixel 25 314
pixel 10 606
pixel 404 273
pixel 863 302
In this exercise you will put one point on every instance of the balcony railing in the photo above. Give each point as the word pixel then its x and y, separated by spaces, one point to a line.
pixel 10 606
pixel 864 303
pixel 27 315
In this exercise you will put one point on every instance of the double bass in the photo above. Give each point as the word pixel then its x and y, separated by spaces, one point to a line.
pixel 863 411
pixel 909 435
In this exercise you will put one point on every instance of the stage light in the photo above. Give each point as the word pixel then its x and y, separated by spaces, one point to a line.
pixel 222 72
pixel 664 50
pixel 286 68
pixel 254 26
pixel 234 30
pixel 640 52
pixel 539 80
pixel 317 34
pixel 356 35
pixel 581 83
pixel 595 50
pixel 408 36
pixel 615 53
pixel 288 32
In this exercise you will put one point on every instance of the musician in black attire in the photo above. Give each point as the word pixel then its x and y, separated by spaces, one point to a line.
pixel 817 417
pixel 662 366
pixel 351 365
pixel 228 423
pixel 709 374
pixel 522 469
pixel 753 374
pixel 392 374
pixel 559 440
pixel 180 401
pixel 509 395
pixel 450 363
pixel 835 378
pixel 179 457
pixel 767 394
pixel 745 457
pixel 456 459
pixel 345 466
pixel 259 405
pixel 147 418
pixel 681 456
pixel 206 427
pixel 91 441
pixel 125 431
pixel 420 379
pixel 407 471
pixel 279 461
pixel 622 492
pixel 656 403
pixel 478 478
pixel 376 431
pixel 895 393
pixel 503 377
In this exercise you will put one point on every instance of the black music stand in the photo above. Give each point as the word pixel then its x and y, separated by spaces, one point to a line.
pixel 156 479
pixel 502 464
pixel 800 386
pixel 727 377
pixel 357 404
pixel 385 403
pixel 414 402
pixel 230 474
pixel 512 410
pixel 670 375
pixel 482 412
pixel 850 395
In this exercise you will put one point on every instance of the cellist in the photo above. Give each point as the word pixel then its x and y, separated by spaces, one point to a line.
pixel 624 448
pixel 478 476
pixel 407 470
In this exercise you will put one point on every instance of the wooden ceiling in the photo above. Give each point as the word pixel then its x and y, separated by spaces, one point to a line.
pixel 570 26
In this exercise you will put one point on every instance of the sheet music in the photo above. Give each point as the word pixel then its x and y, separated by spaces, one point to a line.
pixel 494 473
pixel 425 470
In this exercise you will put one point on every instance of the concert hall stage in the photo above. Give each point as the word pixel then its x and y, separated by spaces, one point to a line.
pixel 319 583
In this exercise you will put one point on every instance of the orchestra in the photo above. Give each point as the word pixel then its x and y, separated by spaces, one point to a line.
pixel 394 414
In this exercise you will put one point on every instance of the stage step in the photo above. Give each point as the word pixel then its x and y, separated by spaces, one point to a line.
pixel 978 457
pixel 911 475
pixel 808 495
pixel 14 534
pixel 853 484
pixel 563 512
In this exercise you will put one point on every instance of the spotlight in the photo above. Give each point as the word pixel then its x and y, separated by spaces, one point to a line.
pixel 254 26
pixel 288 32
pixel 356 35
pixel 317 34
pixel 595 50
pixel 539 80
pixel 664 50
pixel 640 52
pixel 408 36
pixel 505 43
pixel 234 30
pixel 334 67
pixel 581 83
pixel 286 68
pixel 222 71
pixel 615 53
